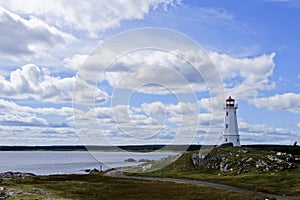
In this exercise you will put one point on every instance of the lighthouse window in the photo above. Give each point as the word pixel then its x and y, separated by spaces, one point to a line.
pixel 226 125
pixel 226 113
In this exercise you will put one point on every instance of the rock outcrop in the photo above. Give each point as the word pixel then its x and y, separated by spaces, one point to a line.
pixel 145 160
pixel 130 160
pixel 15 174
pixel 244 160
pixel 7 193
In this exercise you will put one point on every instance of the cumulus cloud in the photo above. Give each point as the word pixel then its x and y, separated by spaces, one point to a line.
pixel 91 16
pixel 159 122
pixel 119 125
pixel 13 114
pixel 20 125
pixel 142 71
pixel 74 62
pixel 245 77
pixel 37 135
pixel 12 107
pixel 12 120
pixel 287 101
pixel 32 30
pixel 249 76
pixel 167 123
pixel 29 81
pixel 27 38
pixel 262 134
pixel 154 122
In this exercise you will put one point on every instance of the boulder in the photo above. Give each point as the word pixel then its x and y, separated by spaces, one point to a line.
pixel 226 145
pixel 145 160
pixel 130 160
pixel 94 171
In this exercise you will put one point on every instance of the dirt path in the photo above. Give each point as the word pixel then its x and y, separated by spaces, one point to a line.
pixel 119 173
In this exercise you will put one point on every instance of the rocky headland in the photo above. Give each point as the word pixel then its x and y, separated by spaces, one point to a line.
pixel 240 160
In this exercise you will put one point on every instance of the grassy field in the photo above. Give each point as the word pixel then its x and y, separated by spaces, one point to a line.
pixel 96 186
pixel 285 182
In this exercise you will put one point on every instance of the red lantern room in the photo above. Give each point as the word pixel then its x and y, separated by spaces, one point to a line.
pixel 230 102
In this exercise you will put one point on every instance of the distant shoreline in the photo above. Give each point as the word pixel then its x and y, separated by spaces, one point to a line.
pixel 133 148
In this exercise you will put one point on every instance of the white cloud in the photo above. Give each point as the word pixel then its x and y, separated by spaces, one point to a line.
pixel 13 114
pixel 13 120
pixel 262 134
pixel 92 16
pixel 245 77
pixel 159 122
pixel 153 72
pixel 34 30
pixel 298 124
pixel 24 125
pixel 29 38
pixel 11 107
pixel 249 76
pixel 154 121
pixel 29 82
pixel 287 101
pixel 75 62
pixel 37 135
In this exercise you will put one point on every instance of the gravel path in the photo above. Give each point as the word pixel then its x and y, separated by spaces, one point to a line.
pixel 119 173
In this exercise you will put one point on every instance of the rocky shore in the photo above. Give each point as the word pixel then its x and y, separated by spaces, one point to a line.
pixel 15 174
pixel 5 192
pixel 140 160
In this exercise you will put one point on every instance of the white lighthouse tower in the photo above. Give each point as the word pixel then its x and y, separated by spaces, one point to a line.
pixel 231 132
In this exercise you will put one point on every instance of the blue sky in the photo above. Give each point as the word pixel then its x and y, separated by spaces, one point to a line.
pixel 254 46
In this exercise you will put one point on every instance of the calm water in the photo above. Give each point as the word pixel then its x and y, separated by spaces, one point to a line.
pixel 65 162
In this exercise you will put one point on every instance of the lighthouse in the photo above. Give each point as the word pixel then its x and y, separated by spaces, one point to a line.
pixel 231 132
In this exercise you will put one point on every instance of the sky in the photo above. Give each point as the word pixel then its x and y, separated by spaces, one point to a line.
pixel 48 58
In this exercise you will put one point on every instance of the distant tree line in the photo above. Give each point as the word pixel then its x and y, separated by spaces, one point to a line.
pixel 292 149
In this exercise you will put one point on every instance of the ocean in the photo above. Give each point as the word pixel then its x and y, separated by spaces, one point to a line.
pixel 69 162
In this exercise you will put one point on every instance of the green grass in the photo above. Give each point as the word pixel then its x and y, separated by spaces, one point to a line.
pixel 96 186
pixel 285 182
